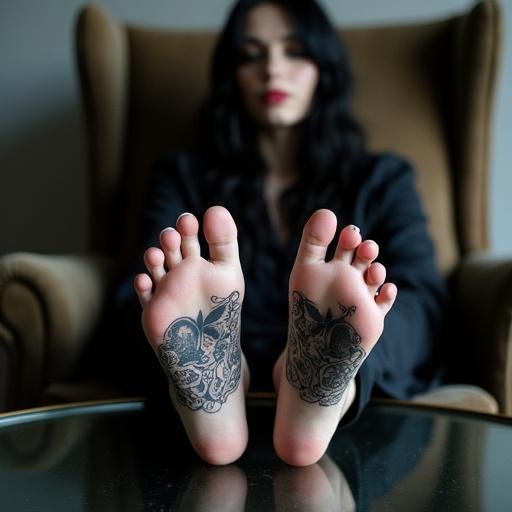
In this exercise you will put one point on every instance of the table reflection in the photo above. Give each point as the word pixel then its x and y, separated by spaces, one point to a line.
pixel 392 459
pixel 321 486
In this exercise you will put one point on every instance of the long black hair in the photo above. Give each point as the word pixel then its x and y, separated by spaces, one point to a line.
pixel 331 145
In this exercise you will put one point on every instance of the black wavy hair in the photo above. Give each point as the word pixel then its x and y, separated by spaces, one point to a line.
pixel 332 143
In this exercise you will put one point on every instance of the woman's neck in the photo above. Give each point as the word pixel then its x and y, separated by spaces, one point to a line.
pixel 278 148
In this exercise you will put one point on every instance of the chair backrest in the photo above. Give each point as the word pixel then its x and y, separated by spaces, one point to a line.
pixel 422 90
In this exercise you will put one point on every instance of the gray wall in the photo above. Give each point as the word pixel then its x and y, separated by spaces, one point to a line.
pixel 42 167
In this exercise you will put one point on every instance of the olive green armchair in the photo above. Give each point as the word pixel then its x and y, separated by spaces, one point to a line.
pixel 422 90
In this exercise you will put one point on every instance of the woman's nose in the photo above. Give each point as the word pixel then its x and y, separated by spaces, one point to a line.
pixel 275 64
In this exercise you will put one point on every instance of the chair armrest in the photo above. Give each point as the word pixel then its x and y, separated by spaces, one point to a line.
pixel 484 295
pixel 49 306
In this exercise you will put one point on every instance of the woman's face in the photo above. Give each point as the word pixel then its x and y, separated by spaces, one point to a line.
pixel 276 80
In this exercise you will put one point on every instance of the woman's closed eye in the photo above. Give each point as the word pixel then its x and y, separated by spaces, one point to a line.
pixel 251 52
pixel 295 49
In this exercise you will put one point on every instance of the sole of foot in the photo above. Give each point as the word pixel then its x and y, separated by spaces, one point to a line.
pixel 191 317
pixel 336 317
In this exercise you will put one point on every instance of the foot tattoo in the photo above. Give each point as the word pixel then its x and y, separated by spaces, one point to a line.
pixel 324 351
pixel 202 357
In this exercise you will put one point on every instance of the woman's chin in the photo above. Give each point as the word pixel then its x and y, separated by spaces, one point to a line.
pixel 280 122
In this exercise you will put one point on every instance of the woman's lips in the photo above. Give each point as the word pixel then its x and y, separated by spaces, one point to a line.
pixel 274 97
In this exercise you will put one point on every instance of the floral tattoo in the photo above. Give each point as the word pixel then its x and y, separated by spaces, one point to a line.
pixel 202 357
pixel 324 352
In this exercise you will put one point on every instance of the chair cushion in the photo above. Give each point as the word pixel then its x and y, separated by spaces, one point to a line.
pixel 459 396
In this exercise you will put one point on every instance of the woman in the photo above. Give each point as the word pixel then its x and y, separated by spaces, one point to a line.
pixel 281 151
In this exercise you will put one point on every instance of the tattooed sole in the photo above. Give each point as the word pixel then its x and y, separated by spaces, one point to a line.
pixel 202 356
pixel 323 353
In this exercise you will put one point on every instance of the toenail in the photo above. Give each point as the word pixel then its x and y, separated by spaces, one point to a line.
pixel 355 228
pixel 182 215
pixel 168 229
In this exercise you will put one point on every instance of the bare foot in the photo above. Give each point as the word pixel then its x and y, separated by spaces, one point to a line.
pixel 336 318
pixel 191 317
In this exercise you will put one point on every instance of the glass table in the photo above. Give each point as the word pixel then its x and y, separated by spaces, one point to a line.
pixel 123 455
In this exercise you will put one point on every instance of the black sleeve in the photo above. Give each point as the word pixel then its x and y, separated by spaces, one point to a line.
pixel 173 190
pixel 406 359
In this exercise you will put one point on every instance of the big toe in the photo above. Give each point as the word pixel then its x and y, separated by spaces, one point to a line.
pixel 316 237
pixel 221 234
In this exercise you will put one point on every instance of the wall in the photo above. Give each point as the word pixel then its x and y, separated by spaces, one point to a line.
pixel 42 167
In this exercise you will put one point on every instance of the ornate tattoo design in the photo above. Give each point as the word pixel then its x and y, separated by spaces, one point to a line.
pixel 202 357
pixel 323 353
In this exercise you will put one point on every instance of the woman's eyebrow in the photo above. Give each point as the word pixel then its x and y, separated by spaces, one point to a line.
pixel 256 40
pixel 252 39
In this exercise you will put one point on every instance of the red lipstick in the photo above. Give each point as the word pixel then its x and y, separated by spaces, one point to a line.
pixel 274 97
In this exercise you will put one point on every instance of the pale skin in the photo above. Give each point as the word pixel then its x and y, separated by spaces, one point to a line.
pixel 179 283
pixel 181 286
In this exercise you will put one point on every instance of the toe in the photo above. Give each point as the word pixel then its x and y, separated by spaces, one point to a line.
pixel 143 286
pixel 386 297
pixel 170 240
pixel 365 254
pixel 375 276
pixel 316 236
pixel 350 238
pixel 188 228
pixel 154 261
pixel 221 234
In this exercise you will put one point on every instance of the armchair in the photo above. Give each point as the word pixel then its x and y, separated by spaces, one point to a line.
pixel 433 83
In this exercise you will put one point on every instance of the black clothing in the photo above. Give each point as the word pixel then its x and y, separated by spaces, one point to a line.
pixel 383 203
